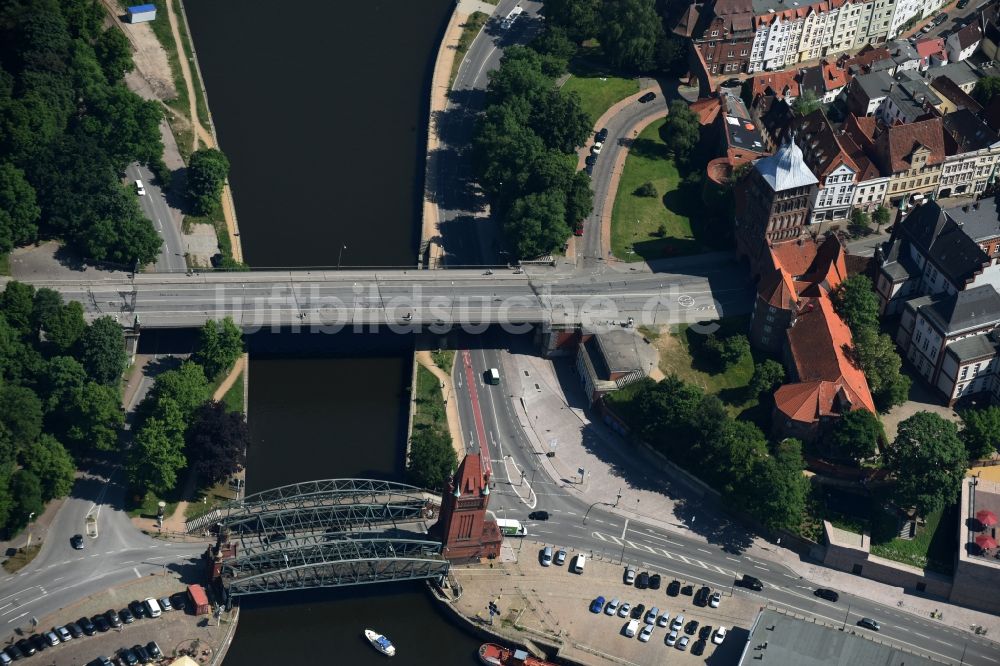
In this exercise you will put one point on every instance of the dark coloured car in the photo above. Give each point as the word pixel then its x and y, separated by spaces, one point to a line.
pixel 26 648
pixel 127 658
pixel 602 135
pixel 101 623
pixel 39 642
pixel 940 19
pixel 829 595
pixel 687 590
pixel 589 169
pixel 648 97
pixel 74 629
pixel 869 623
pixel 577 231
pixel 638 612
pixel 538 515
pixel 87 626
pixel 674 588
pixel 691 627
pixel 137 609
pixel 76 541
pixel 732 83
pixel 126 616
pixel 113 619
pixel 142 654
pixel 698 648
pixel 705 633
pixel 14 652
pixel 642 580
pixel 962 4
pixel 752 583
pixel 179 601
pixel 590 160
pixel 654 582
pixel 154 650
pixel 701 598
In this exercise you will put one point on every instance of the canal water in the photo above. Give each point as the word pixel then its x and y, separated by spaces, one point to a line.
pixel 321 109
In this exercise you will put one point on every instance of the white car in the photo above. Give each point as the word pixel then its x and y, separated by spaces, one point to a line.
pixel 682 644
pixel 646 632
pixel 672 638
pixel 629 576
pixel 625 608
pixel 715 600
pixel 139 188
pixel 612 607
pixel 596 149
pixel 663 620
pixel 678 623
pixel 720 635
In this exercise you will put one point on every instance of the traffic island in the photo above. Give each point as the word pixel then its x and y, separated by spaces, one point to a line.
pixel 548 608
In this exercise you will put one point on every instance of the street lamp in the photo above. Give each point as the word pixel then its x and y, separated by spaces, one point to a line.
pixel 341 253
pixel 30 516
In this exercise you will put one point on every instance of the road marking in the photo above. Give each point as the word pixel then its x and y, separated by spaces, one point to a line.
pixel 129 562
pixel 17 618
pixel 760 567
pixel 570 513
pixel 137 574
pixel 915 633
pixel 705 551
pixel 600 521
pixel 660 538
pixel 734 559
pixel 791 576
pixel 56 580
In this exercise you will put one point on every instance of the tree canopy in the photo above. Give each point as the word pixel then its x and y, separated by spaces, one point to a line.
pixel 986 88
pixel 928 461
pixel 981 431
pixel 220 343
pixel 681 130
pixel 207 171
pixel 102 350
pixel 217 442
pixel 857 435
pixel 432 458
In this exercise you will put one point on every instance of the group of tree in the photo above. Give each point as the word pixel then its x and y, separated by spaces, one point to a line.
pixel 928 462
pixel 207 171
pixel 857 303
pixel 523 153
pixel 986 88
pixel 634 34
pixel 725 353
pixel 177 424
pixel 68 129
pixel 981 431
pixel 59 396
pixel 693 430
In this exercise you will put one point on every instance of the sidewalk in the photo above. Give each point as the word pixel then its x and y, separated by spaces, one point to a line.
pixel 555 411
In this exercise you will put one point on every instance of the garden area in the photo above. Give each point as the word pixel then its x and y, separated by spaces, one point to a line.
pixel 598 91
pixel 651 223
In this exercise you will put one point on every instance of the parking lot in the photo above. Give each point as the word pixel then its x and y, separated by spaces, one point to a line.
pixel 551 602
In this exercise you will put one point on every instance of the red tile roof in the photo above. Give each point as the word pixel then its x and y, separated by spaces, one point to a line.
pixel 833 76
pixel 929 46
pixel 776 83
pixel 707 109
pixel 896 144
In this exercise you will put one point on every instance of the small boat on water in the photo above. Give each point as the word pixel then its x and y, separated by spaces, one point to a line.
pixel 380 643
pixel 492 654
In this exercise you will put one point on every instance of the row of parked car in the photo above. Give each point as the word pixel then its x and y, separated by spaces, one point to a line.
pixel 655 618
pixel 703 597
pixel 111 619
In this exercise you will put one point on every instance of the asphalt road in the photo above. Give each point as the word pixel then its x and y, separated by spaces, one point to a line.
pixel 427 297
pixel 618 126
pixel 576 524
pixel 469 233
pixel 154 206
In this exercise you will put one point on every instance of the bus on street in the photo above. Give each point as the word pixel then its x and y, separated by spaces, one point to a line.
pixel 511 527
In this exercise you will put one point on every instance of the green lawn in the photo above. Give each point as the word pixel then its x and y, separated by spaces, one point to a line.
pixel 444 359
pixel 149 505
pixel 637 222
pixel 233 400
pixel 430 402
pixel 4 263
pixel 470 29
pixel 933 547
pixel 598 93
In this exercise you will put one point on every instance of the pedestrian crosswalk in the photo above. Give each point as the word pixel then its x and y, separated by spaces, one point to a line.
pixel 656 550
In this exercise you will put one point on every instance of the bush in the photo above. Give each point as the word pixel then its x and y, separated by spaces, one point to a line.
pixel 646 190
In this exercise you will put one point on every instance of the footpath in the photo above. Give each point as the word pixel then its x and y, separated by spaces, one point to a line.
pixel 550 409
pixel 425 359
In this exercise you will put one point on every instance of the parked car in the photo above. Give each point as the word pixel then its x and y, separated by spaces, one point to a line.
pixel 646 632
pixel 154 650
pixel 87 626
pixel 691 627
pixel 720 635
pixel 127 658
pixel 74 630
pixel 179 600
pixel 76 541
pixel 732 83
pixel 560 559
pixel 682 644
pixel 25 647
pixel 590 160
pixel 140 652
pixel 651 615
pixel 654 582
pixel 101 623
pixel 546 556
pixel 701 598
pixel 63 634
pixel 127 616
pixel 113 619
pixel 638 611
pixel 630 628
pixel 642 580
pixel 751 582
pixel 869 623
pixel 705 633
pixel 678 622
pixel 941 18
pixel 578 229
pixel 538 515
pixel 596 148
pixel 612 606
pixel 629 575
pixel 663 620
pixel 13 652
pixel 672 638
pixel 829 595
pixel 687 590
pixel 674 588
pixel 715 600
pixel 698 648
pixel 962 4
pixel 39 642
pixel 597 605
pixel 648 97
pixel 623 611
pixel 602 135
pixel 137 608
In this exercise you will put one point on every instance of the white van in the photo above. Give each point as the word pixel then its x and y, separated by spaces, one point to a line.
pixel 152 607
pixel 631 628
pixel 492 376
pixel 581 561
pixel 139 188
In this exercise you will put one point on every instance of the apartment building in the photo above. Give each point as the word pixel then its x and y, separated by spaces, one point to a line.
pixel 973 164
pixel 830 163
pixel 962 44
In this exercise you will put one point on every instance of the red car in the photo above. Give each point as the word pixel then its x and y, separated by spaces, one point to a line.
pixel 578 231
